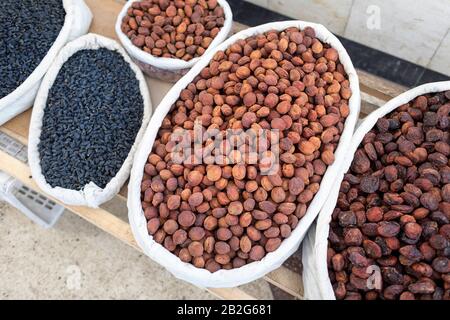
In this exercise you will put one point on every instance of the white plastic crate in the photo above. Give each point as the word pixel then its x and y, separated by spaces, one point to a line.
pixel 13 147
pixel 34 205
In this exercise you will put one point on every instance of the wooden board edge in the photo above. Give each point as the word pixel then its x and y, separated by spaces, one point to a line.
pixel 379 87
pixel 20 138
pixel 287 280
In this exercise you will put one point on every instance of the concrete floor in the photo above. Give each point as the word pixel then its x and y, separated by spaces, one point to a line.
pixel 75 260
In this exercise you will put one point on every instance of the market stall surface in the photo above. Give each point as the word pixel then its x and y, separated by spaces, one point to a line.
pixel 108 267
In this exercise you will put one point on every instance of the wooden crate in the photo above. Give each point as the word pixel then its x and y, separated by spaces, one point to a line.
pixel 375 92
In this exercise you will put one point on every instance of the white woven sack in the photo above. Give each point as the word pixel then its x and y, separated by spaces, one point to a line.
pixel 169 69
pixel 77 22
pixel 91 195
pixel 254 270
pixel 315 271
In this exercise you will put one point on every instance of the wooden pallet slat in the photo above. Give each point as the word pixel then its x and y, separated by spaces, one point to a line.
pixel 287 281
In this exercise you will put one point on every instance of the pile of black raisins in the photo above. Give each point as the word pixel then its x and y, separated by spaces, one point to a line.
pixel 28 29
pixel 93 114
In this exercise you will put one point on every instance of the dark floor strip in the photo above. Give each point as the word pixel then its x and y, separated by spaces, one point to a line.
pixel 365 58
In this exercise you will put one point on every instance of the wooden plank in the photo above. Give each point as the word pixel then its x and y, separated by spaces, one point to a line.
pixel 376 91
pixel 105 14
pixel 379 87
pixel 238 27
pixel 372 100
pixel 102 219
pixel 18 127
pixel 368 107
pixel 287 281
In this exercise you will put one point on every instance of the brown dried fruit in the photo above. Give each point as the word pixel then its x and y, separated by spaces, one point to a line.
pixel 186 218
pixel 214 173
pixel 257 253
pixel 196 233
pixel 272 244
pixel 361 162
pixel 170 226
pixel 176 36
pixel 173 202
pixel 194 178
pixel 195 249
pixel 179 237
pixel 153 225
pixel 369 184
pixel 245 244
pixel 296 186
pixel 235 208
pixel 195 199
